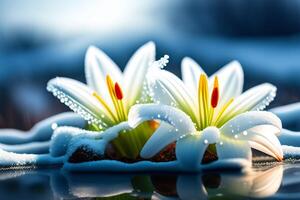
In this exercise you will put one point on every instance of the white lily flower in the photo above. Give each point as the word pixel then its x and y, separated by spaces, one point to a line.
pixel 106 99
pixel 216 115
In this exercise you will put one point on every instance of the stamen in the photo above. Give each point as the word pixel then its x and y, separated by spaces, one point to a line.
pixel 104 104
pixel 111 90
pixel 118 91
pixel 219 117
pixel 203 100
pixel 215 93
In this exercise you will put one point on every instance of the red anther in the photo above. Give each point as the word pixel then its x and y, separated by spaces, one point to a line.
pixel 118 91
pixel 215 93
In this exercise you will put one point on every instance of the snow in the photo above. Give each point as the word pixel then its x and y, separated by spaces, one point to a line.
pixel 42 131
pixel 10 159
pixel 31 149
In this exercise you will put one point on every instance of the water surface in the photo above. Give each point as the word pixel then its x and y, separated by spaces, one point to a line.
pixel 278 181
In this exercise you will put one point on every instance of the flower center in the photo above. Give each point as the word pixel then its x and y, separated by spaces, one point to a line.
pixel 207 114
pixel 116 95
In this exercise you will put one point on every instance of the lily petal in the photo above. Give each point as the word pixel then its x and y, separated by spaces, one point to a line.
pixel 163 136
pixel 232 148
pixel 166 88
pixel 231 78
pixel 256 98
pixel 97 66
pixel 173 116
pixel 263 139
pixel 260 128
pixel 249 120
pixel 191 72
pixel 190 148
pixel 135 72
pixel 78 97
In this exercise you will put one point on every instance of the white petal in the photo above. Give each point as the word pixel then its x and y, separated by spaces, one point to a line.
pixel 174 123
pixel 231 81
pixel 256 98
pixel 163 136
pixel 78 97
pixel 191 71
pixel 258 127
pixel 249 120
pixel 191 148
pixel 160 94
pixel 166 88
pixel 232 148
pixel 263 139
pixel 173 116
pixel 135 72
pixel 97 66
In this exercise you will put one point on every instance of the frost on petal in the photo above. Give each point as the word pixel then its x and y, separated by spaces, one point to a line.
pixel 135 72
pixel 231 78
pixel 191 71
pixel 232 148
pixel 79 98
pixel 173 116
pixel 166 88
pixel 97 66
pixel 248 120
pixel 191 148
pixel 256 98
pixel 258 127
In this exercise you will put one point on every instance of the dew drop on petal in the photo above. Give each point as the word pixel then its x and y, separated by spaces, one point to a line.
pixel 205 141
pixel 54 126
pixel 245 132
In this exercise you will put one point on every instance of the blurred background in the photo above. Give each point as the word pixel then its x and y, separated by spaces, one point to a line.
pixel 43 39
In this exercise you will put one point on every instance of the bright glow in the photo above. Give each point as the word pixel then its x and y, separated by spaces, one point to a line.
pixel 77 16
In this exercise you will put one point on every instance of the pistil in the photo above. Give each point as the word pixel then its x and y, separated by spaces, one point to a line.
pixel 214 99
pixel 113 96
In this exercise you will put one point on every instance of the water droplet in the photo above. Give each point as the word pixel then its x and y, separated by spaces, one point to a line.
pixel 54 126
pixel 235 136
pixel 205 141
pixel 245 132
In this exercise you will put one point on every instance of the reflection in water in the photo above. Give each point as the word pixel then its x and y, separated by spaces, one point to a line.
pixel 58 184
